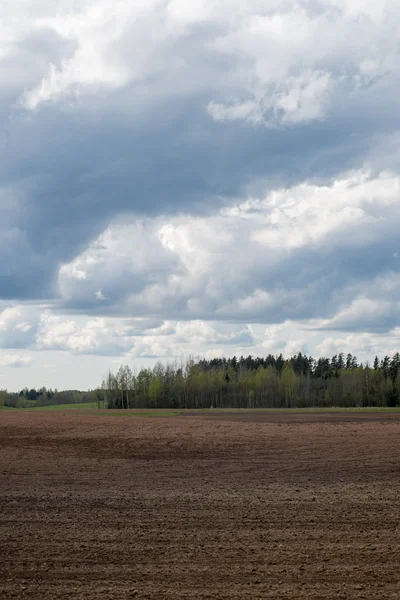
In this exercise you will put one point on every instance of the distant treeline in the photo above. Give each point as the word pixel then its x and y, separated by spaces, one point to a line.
pixel 270 382
pixel 252 382
pixel 44 397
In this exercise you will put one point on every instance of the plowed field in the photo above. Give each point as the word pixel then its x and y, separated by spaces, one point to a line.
pixel 200 506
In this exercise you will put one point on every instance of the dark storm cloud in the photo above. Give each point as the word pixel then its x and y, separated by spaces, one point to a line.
pixel 79 173
pixel 120 123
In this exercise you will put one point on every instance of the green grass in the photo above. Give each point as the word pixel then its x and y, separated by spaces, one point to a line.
pixel 104 411
pixel 147 413
pixel 199 411
pixel 130 413
pixel 157 413
pixel 298 410
pixel 79 405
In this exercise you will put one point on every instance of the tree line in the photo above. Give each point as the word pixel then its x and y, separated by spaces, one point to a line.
pixel 29 398
pixel 256 382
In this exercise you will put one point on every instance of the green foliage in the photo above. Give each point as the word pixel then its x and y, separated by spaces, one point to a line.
pixel 288 384
pixel 247 383
pixel 75 406
pixel 155 391
pixel 48 398
pixel 269 382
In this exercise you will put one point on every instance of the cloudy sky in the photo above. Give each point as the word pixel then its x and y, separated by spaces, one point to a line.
pixel 196 177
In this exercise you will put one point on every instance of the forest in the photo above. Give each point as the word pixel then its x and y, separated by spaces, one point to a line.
pixel 30 398
pixel 261 382
pixel 252 382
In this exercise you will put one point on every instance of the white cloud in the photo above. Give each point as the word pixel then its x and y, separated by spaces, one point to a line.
pixel 284 62
pixel 294 60
pixel 24 327
pixel 137 340
pixel 94 29
pixel 181 339
pixel 369 312
pixel 304 98
pixel 95 336
pixel 17 326
pixel 227 265
pixel 15 360
pixel 9 316
pixel 298 99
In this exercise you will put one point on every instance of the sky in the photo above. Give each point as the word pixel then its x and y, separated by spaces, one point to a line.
pixel 196 178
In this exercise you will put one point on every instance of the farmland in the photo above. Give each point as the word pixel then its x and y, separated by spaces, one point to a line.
pixel 218 504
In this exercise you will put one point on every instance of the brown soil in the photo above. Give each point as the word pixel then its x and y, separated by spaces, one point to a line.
pixel 214 506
